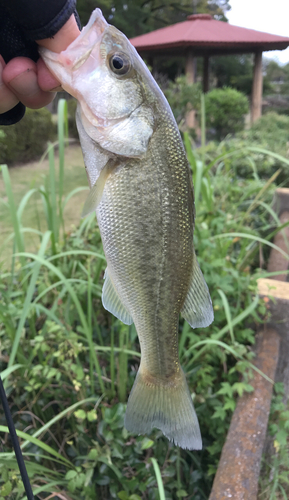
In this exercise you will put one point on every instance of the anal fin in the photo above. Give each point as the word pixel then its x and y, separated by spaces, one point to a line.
pixel 112 302
pixel 197 309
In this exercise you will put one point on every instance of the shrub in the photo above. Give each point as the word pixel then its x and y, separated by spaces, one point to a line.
pixel 272 129
pixel 183 97
pixel 27 139
pixel 225 110
pixel 270 132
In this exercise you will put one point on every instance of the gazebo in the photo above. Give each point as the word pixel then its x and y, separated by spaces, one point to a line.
pixel 202 36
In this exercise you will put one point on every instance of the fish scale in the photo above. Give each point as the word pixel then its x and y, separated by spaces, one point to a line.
pixel 151 268
pixel 141 190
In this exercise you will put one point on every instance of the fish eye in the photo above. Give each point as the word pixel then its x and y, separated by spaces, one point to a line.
pixel 119 64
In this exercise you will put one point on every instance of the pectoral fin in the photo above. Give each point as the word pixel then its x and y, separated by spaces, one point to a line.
pixel 197 309
pixel 112 302
pixel 95 194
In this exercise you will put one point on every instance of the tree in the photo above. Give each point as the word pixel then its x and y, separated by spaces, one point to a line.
pixel 135 17
pixel 217 8
pixel 285 86
pixel 237 72
pixel 274 71
pixel 234 71
pixel 278 76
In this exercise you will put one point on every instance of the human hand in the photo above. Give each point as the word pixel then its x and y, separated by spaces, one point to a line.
pixel 31 83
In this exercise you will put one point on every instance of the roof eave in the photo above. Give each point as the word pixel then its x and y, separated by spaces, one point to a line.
pixel 216 47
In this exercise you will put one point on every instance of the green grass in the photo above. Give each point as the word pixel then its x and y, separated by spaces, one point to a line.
pixel 33 176
pixel 69 365
pixel 274 480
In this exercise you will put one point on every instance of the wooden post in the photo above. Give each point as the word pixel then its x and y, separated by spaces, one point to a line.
pixel 257 88
pixel 190 67
pixel 239 466
pixel 206 74
pixel 190 74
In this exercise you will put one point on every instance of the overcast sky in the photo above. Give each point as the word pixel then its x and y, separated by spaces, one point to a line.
pixel 263 15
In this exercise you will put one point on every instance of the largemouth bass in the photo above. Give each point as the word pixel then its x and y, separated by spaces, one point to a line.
pixel 142 192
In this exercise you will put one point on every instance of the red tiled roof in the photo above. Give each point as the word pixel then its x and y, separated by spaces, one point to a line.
pixel 202 31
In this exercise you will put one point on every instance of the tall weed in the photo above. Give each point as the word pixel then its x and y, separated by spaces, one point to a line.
pixel 69 365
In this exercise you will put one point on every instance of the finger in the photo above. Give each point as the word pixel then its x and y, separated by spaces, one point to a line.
pixel 7 99
pixel 20 76
pixel 46 80
pixel 64 37
pixel 59 42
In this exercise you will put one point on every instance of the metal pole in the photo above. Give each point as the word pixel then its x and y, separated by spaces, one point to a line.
pixel 15 443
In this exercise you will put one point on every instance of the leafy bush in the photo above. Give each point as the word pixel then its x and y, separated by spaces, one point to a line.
pixel 270 132
pixel 225 110
pixel 251 147
pixel 27 139
pixel 271 129
pixel 273 480
pixel 183 97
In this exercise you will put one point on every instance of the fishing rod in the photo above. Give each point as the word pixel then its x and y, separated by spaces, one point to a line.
pixel 15 443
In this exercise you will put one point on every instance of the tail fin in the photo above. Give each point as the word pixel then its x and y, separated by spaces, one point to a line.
pixel 165 405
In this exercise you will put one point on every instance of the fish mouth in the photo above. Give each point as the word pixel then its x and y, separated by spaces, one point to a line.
pixel 90 35
pixel 100 122
pixel 97 121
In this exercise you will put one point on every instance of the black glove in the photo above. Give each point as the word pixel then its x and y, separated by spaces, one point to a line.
pixel 22 22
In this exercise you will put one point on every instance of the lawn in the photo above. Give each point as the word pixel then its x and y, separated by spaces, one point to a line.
pixel 33 175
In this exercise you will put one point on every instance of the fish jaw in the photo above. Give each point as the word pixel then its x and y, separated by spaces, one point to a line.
pixel 112 106
pixel 64 64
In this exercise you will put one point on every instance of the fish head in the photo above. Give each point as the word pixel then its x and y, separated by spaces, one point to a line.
pixel 103 71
